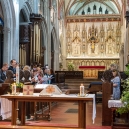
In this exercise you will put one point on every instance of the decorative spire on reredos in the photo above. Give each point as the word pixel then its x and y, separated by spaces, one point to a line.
pixel 93 37
pixel 76 28
pixel 68 31
pixel 102 33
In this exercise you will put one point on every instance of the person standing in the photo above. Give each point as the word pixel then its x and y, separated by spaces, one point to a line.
pixel 116 84
pixel 12 67
pixel 3 72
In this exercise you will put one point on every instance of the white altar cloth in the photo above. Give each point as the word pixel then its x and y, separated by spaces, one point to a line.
pixel 87 96
pixel 115 103
pixel 70 96
pixel 6 108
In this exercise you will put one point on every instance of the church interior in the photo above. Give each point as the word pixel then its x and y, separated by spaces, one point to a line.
pixel 62 55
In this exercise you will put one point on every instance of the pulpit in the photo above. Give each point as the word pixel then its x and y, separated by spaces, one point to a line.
pixel 91 71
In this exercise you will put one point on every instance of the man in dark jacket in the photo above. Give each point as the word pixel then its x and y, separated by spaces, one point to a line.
pixel 13 66
pixel 3 72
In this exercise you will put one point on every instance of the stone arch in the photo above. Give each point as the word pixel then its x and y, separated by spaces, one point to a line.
pixel 25 33
pixel 71 3
pixel 44 36
pixel 55 49
pixel 26 10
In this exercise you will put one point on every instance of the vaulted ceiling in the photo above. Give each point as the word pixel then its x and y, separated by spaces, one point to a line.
pixel 84 7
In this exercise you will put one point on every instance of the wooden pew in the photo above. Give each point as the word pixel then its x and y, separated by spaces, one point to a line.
pixel 107 90
pixel 34 127
pixel 4 88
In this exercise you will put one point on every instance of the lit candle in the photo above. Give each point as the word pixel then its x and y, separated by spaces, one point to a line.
pixel 81 90
pixel 17 74
pixel 14 88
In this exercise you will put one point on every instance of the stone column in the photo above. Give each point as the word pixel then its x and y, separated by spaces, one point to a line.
pixel 15 50
pixel 126 46
pixel 9 21
pixel 7 53
pixel 48 45
pixel 56 42
pixel 56 60
pixel 64 54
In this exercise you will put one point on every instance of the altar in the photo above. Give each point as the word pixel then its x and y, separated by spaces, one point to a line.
pixel 91 71
pixel 54 98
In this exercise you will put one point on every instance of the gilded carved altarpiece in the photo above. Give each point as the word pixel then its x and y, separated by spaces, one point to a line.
pixel 93 44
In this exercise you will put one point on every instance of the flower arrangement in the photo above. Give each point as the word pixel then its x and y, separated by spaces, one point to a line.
pixel 18 85
pixel 70 66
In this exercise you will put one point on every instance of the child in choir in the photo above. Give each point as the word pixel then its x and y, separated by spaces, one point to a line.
pixel 50 76
pixel 40 78
pixel 34 76
pixel 116 84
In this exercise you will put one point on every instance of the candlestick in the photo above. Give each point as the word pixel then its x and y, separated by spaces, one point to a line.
pixel 14 89
pixel 17 74
pixel 81 90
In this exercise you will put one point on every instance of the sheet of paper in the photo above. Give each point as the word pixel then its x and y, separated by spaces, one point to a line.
pixel 41 86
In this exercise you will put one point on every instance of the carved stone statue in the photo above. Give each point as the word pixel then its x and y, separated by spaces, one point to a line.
pixel 92 47
pixel 93 38
pixel 109 49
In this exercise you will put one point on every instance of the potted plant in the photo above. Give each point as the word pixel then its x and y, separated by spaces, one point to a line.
pixel 70 66
pixel 125 93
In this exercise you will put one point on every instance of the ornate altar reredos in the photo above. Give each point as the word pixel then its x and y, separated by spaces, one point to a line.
pixel 93 44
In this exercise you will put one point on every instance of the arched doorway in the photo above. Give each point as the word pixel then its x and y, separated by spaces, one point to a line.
pixel 24 35
pixel 44 40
